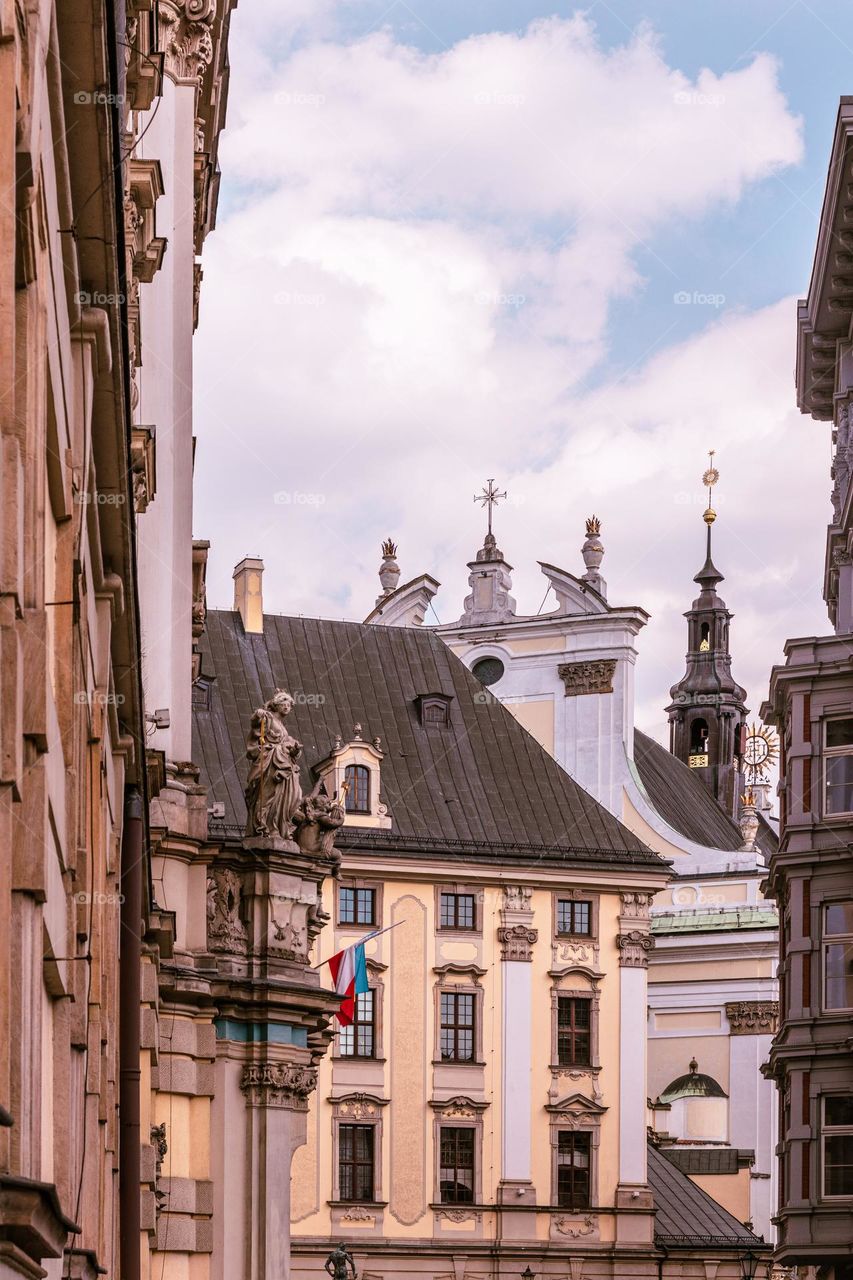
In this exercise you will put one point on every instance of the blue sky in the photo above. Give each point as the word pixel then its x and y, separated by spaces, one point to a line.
pixel 455 240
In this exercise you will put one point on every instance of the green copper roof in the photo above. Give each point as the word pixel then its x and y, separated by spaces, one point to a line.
pixel 715 921
pixel 693 1085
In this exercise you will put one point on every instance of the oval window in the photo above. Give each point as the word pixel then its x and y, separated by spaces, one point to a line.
pixel 488 670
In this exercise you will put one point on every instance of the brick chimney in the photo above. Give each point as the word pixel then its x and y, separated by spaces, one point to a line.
pixel 248 595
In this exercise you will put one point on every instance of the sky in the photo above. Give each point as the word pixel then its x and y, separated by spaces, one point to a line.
pixel 560 247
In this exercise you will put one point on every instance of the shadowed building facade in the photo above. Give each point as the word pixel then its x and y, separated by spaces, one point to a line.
pixel 811 876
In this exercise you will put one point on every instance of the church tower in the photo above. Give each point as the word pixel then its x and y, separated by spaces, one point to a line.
pixel 707 714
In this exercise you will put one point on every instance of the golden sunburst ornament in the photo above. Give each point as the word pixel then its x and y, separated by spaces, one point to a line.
pixel 760 752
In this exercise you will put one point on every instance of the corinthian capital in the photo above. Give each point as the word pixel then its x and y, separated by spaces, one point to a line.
pixel 278 1084
pixel 185 37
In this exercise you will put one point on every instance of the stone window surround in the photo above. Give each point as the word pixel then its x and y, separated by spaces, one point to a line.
pixel 827 939
pixel 375 970
pixel 476 890
pixel 359 882
pixel 585 1118
pixel 593 994
pixel 459 1112
pixel 364 1109
pixel 835 711
pixel 593 897
pixel 827 1090
pixel 472 987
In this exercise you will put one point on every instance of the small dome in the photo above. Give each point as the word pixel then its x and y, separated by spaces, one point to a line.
pixel 693 1085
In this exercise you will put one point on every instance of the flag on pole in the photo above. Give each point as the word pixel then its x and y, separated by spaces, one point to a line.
pixel 349 974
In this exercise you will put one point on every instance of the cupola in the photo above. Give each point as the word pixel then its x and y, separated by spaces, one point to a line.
pixel 699 1107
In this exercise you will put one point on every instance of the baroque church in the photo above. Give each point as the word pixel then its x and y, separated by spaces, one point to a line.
pixel 568 677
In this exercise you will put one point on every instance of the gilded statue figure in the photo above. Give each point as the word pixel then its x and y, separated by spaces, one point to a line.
pixel 273 787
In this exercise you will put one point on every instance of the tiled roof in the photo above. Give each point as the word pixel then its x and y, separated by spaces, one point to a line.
pixel 686 1216
pixel 710 1160
pixel 481 786
pixel 684 801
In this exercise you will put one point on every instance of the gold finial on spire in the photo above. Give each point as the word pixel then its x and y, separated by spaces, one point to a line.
pixel 710 478
pixel 389 548
pixel 593 527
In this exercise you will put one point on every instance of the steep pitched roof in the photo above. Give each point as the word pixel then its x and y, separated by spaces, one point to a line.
pixel 687 1217
pixel 684 801
pixel 482 783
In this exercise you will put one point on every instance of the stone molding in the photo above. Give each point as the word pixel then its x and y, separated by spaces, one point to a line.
pixel 587 677
pixel 753 1017
pixel 634 948
pixel 278 1084
pixel 517 941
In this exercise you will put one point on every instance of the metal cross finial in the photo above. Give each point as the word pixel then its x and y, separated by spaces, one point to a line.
pixel 489 498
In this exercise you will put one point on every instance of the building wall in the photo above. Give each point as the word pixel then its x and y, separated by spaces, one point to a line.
pixel 506 1097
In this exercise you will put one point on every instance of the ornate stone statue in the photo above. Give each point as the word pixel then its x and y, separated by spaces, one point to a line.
pixel 318 819
pixel 338 1261
pixel 273 787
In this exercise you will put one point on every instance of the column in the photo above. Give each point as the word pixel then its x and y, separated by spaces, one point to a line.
pixel 517 938
pixel 634 942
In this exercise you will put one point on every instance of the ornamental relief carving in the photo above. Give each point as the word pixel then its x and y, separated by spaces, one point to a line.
pixel 576 1227
pixel 753 1017
pixel 587 677
pixel 517 942
pixel 635 906
pixel 358 1109
pixel 278 1084
pixel 185 37
pixel 570 954
pixel 358 1213
pixel 225 930
pixel 459 1215
pixel 634 948
pixel 516 897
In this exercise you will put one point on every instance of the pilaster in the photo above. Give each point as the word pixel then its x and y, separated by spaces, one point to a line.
pixel 517 938
pixel 634 942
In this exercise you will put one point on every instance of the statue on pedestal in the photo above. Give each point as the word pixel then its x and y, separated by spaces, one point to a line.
pixel 338 1261
pixel 273 787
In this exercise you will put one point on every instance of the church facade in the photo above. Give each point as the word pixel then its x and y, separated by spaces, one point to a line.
pixel 568 677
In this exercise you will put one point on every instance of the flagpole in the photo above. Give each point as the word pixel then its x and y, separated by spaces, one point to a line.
pixel 367 938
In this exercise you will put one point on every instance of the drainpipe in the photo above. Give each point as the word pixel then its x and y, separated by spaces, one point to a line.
pixel 130 1075
pixel 662 1260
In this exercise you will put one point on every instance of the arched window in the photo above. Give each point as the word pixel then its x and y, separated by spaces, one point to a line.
pixel 705 641
pixel 699 738
pixel 357 778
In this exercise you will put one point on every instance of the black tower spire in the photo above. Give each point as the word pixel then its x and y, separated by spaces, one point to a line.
pixel 707 714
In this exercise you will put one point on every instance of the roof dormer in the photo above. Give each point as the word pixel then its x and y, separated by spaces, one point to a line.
pixel 352 770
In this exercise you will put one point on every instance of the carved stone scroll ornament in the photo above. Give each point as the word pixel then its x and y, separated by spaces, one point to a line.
pixel 753 1017
pixel 225 930
pixel 575 1228
pixel 278 1084
pixel 517 941
pixel 635 906
pixel 517 897
pixel 185 37
pixel 587 677
pixel 634 948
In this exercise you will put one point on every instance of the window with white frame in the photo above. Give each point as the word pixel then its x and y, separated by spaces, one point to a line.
pixel 838 1145
pixel 838 955
pixel 838 766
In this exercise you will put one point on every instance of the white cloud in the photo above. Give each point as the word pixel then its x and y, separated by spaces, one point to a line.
pixel 417 287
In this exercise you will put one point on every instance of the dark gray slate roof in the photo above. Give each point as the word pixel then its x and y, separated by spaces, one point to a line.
pixel 684 801
pixel 708 1159
pixel 686 1216
pixel 483 784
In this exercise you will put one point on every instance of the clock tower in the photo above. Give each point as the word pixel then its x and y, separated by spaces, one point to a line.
pixel 707 714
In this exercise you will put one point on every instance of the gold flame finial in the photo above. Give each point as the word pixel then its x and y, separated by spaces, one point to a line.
pixel 389 548
pixel 593 527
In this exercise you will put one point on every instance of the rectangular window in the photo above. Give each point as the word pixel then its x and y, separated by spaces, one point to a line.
pixel 838 1146
pixel 457 1027
pixel 838 955
pixel 356 906
pixel 574 1041
pixel 573 1164
pixel 838 766
pixel 456 1174
pixel 355 1161
pixel 359 1038
pixel 574 917
pixel 458 911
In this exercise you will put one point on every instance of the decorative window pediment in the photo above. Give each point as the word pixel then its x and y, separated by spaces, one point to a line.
pixel 577 1104
pixel 459 1108
pixel 352 770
